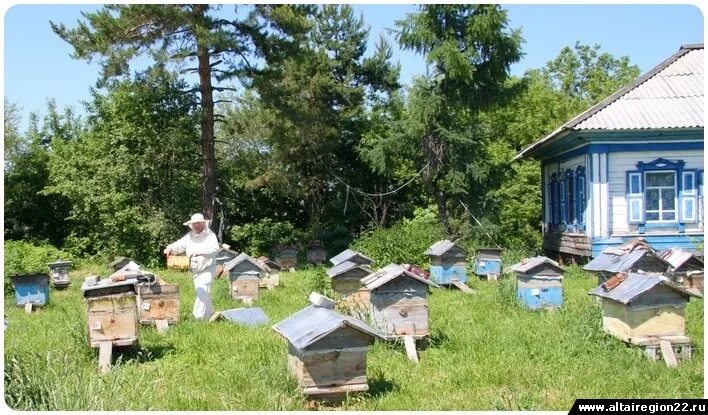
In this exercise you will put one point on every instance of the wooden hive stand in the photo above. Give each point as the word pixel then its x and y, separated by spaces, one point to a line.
pixel 672 349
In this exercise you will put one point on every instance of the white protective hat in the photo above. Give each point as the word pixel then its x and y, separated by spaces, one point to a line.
pixel 197 217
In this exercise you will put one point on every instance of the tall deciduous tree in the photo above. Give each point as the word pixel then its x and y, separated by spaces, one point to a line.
pixel 182 33
pixel 469 49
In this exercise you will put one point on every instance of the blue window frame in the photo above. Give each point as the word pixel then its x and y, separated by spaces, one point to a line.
pixel 567 199
pixel 662 193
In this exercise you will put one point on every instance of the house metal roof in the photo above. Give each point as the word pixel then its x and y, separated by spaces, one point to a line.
pixel 669 96
pixel 440 247
pixel 313 323
pixel 635 285
pixel 343 267
pixel 348 254
pixel 530 263
pixel 388 273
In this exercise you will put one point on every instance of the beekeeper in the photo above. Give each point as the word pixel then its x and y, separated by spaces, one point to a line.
pixel 201 247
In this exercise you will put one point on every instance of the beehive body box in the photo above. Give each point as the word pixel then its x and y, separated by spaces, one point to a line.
pixel 335 364
pixel 400 308
pixel 113 318
pixel 245 287
pixel 158 302
pixel 31 289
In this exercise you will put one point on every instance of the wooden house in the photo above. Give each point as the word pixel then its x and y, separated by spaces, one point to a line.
pixel 112 315
pixel 630 166
pixel 399 302
pixel 448 262
pixel 488 263
pixel 31 290
pixel 158 304
pixel 59 274
pixel 686 268
pixel 632 256
pixel 316 253
pixel 286 256
pixel 327 351
pixel 539 283
pixel 644 310
pixel 351 256
pixel 346 277
pixel 244 273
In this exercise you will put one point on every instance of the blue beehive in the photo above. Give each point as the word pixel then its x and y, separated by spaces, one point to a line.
pixel 31 289
pixel 539 283
pixel 487 262
pixel 448 262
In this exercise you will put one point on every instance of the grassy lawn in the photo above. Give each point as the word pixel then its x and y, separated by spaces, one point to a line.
pixel 485 353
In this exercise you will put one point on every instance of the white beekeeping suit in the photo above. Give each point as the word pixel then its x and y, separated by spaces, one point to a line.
pixel 201 247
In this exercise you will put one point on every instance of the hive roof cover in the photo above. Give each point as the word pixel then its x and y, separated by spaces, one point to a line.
pixel 531 263
pixel 249 316
pixel 348 254
pixel 343 267
pixel 634 285
pixel 312 323
pixel 389 273
pixel 441 247
pixel 241 258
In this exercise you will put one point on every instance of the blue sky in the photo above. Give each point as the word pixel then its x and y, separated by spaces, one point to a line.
pixel 37 64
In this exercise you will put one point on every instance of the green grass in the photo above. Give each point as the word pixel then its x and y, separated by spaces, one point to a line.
pixel 484 353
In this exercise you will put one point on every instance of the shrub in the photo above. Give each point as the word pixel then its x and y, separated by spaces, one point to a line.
pixel 404 242
pixel 261 237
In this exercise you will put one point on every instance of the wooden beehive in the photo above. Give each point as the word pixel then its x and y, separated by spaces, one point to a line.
pixel 112 318
pixel 346 277
pixel 399 302
pixel 635 255
pixel 448 262
pixel 245 275
pixel 59 274
pixel 286 256
pixel 686 268
pixel 158 302
pixel 641 306
pixel 327 351
pixel 31 289
pixel 539 283
pixel 177 262
pixel 316 253
pixel 245 286
pixel 488 262
pixel 112 312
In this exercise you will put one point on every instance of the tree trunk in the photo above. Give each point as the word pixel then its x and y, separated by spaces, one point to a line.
pixel 434 150
pixel 207 121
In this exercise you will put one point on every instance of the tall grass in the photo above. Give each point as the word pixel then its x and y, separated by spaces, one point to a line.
pixel 485 352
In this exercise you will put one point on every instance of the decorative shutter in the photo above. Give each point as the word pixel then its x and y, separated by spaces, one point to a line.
pixel 688 200
pixel 562 201
pixel 635 197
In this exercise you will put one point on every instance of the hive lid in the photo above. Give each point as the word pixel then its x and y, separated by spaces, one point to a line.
pixel 389 273
pixel 312 323
pixel 634 285
pixel 348 254
pixel 249 316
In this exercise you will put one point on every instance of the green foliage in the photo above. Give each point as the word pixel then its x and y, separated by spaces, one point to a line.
pixel 404 242
pixel 133 177
pixel 26 258
pixel 30 214
pixel 259 238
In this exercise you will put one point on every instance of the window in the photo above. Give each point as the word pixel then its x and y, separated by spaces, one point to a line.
pixel 662 193
pixel 567 199
pixel 660 196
